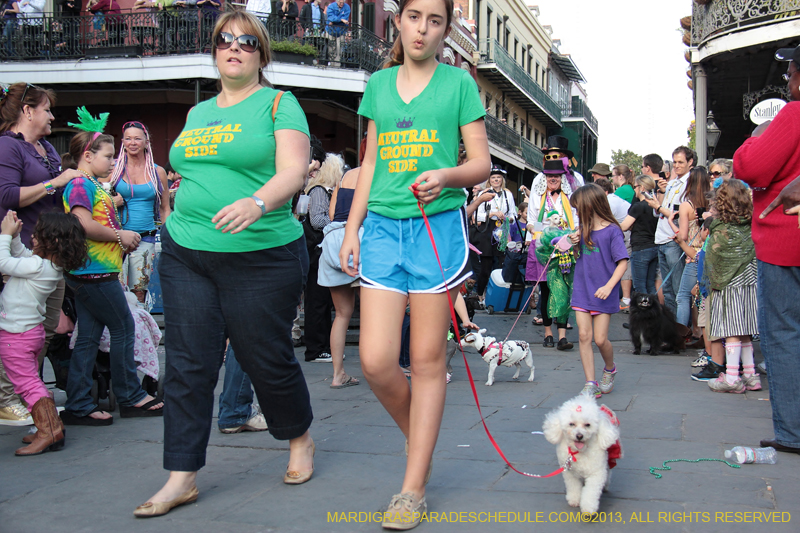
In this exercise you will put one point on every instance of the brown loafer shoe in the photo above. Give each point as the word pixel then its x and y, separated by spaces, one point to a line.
pixel 779 447
pixel 150 509
pixel 293 477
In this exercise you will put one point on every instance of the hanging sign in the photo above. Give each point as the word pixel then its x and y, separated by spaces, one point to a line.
pixel 766 110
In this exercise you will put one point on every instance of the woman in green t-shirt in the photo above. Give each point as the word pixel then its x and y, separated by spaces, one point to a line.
pixel 233 261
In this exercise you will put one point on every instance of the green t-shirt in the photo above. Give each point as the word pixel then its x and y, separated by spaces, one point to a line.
pixel 419 136
pixel 626 193
pixel 225 154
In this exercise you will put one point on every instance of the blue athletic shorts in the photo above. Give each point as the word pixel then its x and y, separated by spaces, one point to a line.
pixel 397 255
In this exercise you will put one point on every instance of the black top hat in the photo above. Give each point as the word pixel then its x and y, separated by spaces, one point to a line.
pixel 557 143
pixel 554 167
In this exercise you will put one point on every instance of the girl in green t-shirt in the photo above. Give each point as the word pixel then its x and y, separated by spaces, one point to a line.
pixel 412 144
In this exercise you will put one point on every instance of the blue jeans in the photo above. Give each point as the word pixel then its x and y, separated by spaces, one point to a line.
pixel 236 400
pixel 251 298
pixel 643 268
pixel 779 326
pixel 669 257
pixel 101 305
pixel 688 281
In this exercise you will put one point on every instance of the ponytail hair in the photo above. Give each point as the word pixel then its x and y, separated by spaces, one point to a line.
pixel 85 141
pixel 12 102
pixel 397 54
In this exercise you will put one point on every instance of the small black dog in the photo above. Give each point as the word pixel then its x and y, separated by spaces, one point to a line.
pixel 654 324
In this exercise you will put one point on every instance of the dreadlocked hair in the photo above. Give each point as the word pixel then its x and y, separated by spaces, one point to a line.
pixel 121 166
pixel 591 204
pixel 61 238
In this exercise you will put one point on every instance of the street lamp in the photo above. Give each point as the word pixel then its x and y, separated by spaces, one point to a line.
pixel 712 133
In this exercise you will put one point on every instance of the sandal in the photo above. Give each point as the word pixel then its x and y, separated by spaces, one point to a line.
pixel 131 411
pixel 349 382
pixel 70 419
pixel 538 320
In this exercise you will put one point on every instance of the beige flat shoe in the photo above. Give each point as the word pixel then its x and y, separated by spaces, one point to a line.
pixel 293 477
pixel 150 509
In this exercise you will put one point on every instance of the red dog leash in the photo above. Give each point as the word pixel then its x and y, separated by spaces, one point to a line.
pixel 453 317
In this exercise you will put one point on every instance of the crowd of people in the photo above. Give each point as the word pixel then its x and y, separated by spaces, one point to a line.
pixel 237 257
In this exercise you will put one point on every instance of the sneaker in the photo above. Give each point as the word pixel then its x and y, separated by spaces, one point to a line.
pixel 257 422
pixel 15 415
pixel 590 389
pixel 564 344
pixel 761 367
pixel 710 371
pixel 756 338
pixel 321 358
pixel 721 385
pixel 702 360
pixel 623 307
pixel 405 512
pixel 607 381
pixel 752 382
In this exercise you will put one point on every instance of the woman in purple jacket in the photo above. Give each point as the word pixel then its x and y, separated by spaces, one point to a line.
pixel 30 177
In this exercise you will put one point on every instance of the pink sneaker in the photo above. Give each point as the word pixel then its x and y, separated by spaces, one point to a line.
pixel 721 385
pixel 752 382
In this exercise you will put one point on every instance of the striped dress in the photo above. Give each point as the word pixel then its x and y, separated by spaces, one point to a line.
pixel 734 309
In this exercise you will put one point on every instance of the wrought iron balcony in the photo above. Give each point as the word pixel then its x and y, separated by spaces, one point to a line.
pixel 502 70
pixel 579 109
pixel 186 31
pixel 512 141
pixel 723 16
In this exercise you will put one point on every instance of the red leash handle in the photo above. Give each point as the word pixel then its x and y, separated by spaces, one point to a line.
pixel 466 363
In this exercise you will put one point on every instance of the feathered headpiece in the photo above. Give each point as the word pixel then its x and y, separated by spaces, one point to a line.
pixel 88 122
pixel 3 92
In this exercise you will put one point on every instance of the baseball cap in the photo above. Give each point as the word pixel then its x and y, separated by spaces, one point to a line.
pixel 788 54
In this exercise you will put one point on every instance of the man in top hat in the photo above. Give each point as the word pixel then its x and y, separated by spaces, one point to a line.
pixel 770 162
pixel 557 149
pixel 600 170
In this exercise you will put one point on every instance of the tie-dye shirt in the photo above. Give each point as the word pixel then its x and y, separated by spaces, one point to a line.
pixel 104 256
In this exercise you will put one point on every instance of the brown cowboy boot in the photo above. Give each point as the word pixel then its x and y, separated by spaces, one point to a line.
pixel 50 434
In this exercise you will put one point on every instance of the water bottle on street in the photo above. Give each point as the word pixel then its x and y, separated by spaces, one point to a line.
pixel 745 454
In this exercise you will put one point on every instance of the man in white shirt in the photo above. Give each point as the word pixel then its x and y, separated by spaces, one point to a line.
pixel 259 8
pixel 670 261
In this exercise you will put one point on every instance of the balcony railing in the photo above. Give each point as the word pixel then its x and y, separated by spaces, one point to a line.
pixel 492 52
pixel 579 109
pixel 511 140
pixel 722 16
pixel 162 33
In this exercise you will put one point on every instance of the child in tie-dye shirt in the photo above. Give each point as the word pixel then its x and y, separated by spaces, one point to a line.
pixel 99 298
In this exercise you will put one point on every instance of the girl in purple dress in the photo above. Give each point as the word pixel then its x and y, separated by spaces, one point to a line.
pixel 601 261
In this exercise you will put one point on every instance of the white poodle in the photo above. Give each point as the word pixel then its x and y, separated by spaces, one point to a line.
pixel 512 353
pixel 587 439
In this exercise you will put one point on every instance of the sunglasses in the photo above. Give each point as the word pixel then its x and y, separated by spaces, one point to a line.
pixel 551 157
pixel 715 174
pixel 247 43
pixel 25 92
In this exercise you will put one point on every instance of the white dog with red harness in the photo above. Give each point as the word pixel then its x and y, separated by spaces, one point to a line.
pixel 508 353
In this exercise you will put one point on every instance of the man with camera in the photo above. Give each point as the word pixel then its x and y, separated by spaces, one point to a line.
pixel 670 195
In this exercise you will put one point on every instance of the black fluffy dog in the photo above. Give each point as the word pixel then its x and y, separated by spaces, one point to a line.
pixel 654 324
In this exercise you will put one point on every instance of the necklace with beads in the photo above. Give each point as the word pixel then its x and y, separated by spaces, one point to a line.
pixel 105 206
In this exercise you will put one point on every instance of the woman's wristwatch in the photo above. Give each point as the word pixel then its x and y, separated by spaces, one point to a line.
pixel 260 203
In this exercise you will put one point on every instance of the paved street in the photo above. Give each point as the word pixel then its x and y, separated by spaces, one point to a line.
pixel 103 473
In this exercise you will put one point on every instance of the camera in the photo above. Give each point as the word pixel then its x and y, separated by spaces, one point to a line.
pixel 648 194
pixel 662 175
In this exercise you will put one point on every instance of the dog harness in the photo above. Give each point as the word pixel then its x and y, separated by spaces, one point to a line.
pixel 615 451
pixel 491 345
